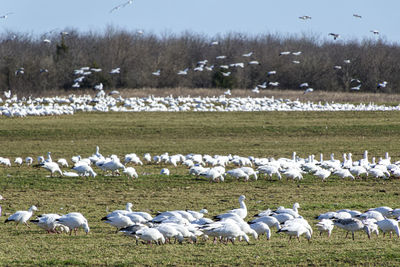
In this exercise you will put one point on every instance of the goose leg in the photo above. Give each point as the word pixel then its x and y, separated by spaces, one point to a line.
pixel 352 234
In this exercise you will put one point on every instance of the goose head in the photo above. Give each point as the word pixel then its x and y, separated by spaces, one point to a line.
pixel 204 211
pixel 33 208
pixel 129 206
pixel 86 228
pixel 242 198
pixel 296 206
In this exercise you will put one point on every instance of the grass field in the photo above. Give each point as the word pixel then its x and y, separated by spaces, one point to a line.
pixel 257 134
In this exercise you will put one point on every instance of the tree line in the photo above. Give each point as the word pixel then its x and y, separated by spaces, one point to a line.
pixel 34 64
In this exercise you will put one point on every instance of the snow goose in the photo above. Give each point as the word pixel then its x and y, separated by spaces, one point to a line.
pixel 244 226
pixel 283 217
pixel 198 214
pixel 294 212
pixel 325 225
pixel 131 172
pixel 358 171
pixel 21 216
pixel 164 171
pixel 385 211
pixel 237 173
pixel 378 173
pixel 299 220
pixel 372 214
pixel 150 234
pixel 113 165
pixel 214 174
pixel 343 173
pixel 389 225
pixel 168 231
pixel 249 171
pixel 370 227
pixel 52 167
pixel 343 215
pixel 62 162
pixel 270 171
pixel 268 220
pixel 85 170
pixel 295 229
pixel 119 221
pixel 242 211
pixel 350 225
pixel 293 174
pixel 28 160
pixel 74 221
pixel 18 161
pixel 48 222
pixel 227 230
pixel 327 215
pixel 261 228
pixel 248 54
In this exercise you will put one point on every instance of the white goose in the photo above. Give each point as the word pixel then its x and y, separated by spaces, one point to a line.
pixel 325 225
pixel 227 230
pixel 52 167
pixel 242 211
pixel 389 225
pixel 48 222
pixel 84 170
pixel 21 216
pixel 350 225
pixel 150 234
pixel 294 212
pixel 261 228
pixel 119 221
pixel 268 220
pixel 73 221
pixel 295 229
pixel 131 172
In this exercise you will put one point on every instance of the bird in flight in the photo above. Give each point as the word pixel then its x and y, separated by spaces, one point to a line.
pixel 334 35
pixel 305 17
pixel 121 6
pixel 6 15
pixel 308 90
pixel 374 31
pixel 357 16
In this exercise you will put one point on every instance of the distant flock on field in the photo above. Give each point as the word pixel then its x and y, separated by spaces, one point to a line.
pixel 13 106
pixel 215 168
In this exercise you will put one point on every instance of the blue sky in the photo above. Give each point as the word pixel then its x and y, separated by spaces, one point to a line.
pixel 208 17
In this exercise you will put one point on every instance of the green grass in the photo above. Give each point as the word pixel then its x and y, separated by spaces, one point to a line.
pixel 257 134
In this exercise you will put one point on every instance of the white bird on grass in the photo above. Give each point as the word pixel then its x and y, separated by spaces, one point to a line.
pixel 350 225
pixel 164 171
pixel 296 229
pixel 48 222
pixel 74 221
pixel 21 216
pixel 131 172
pixel 150 235
pixel 325 225
pixel 52 167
